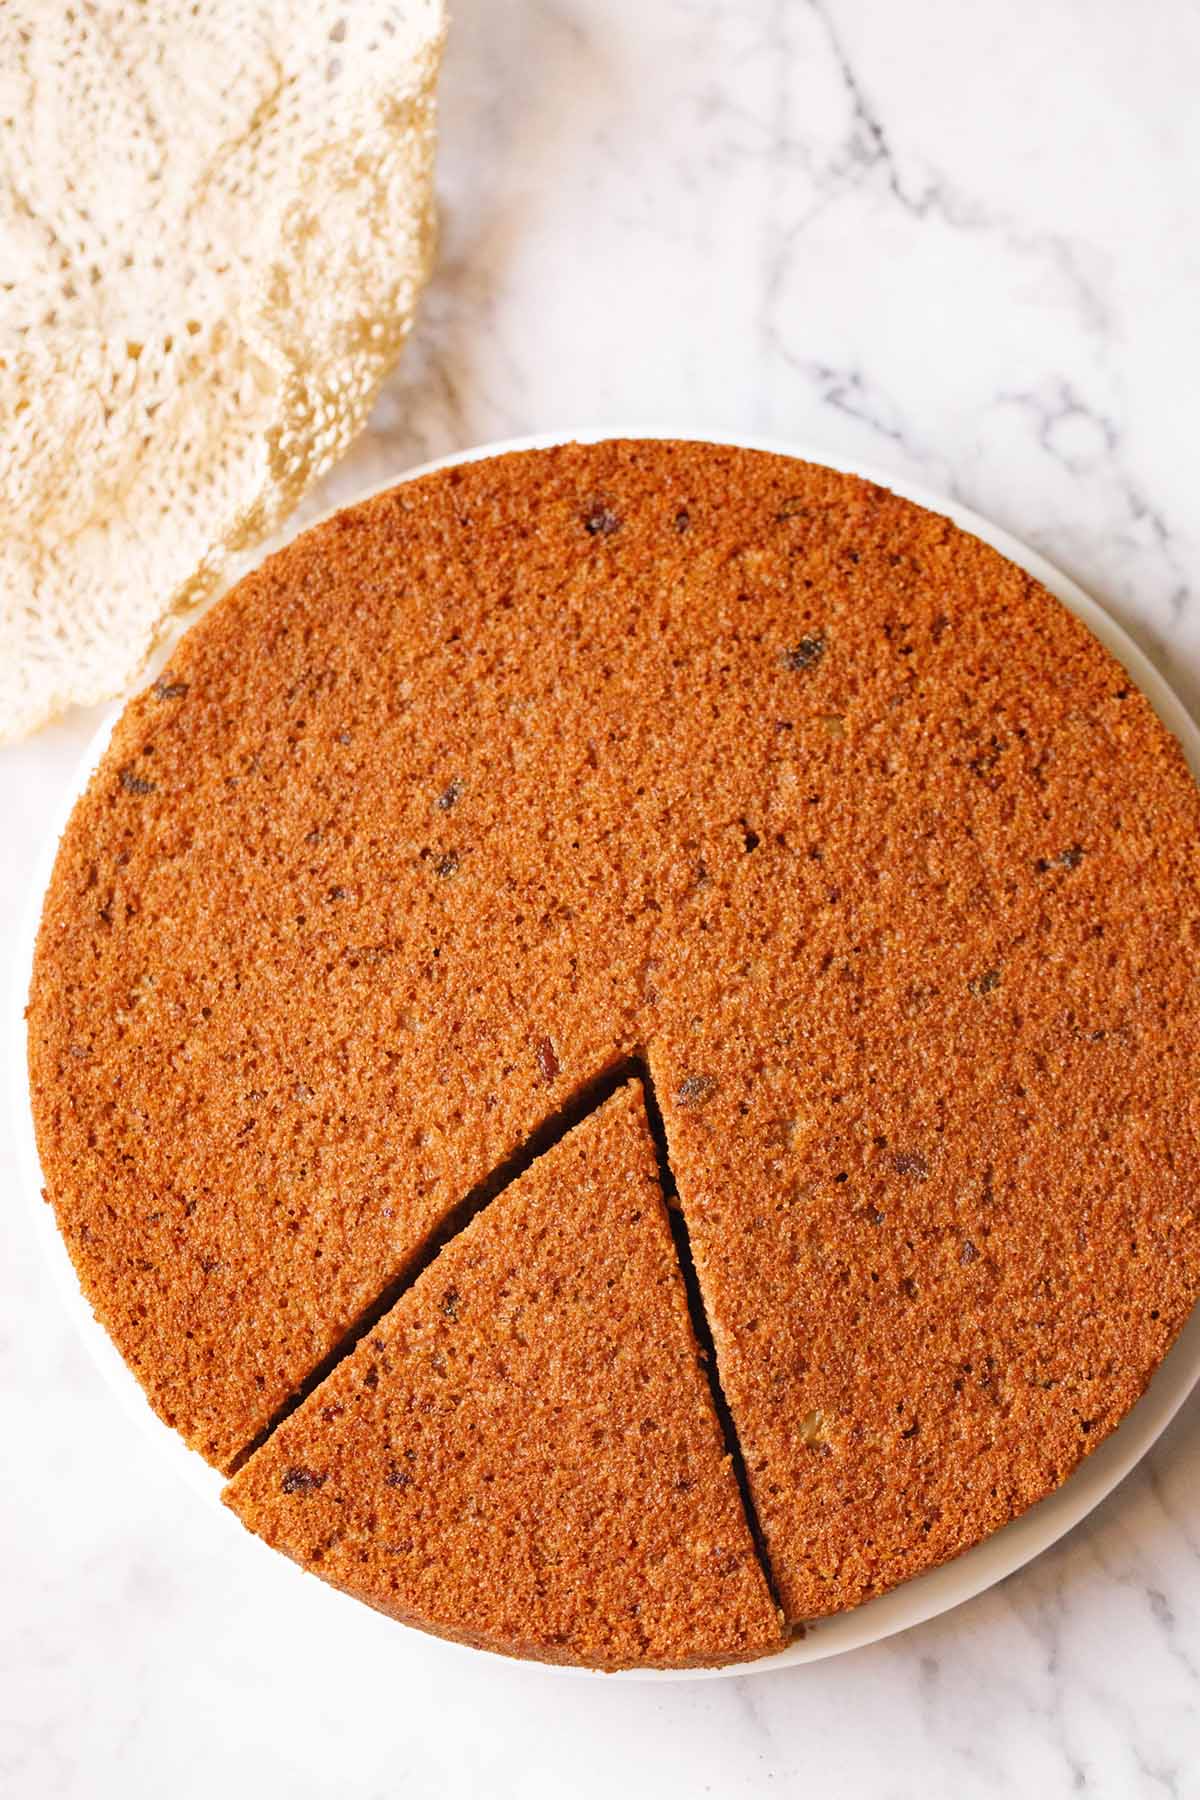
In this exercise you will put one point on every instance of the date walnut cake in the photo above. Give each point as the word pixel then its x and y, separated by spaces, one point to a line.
pixel 542 780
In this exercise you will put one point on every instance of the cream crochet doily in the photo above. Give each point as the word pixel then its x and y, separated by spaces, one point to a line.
pixel 215 219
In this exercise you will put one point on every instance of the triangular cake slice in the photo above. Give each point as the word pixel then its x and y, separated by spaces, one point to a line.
pixel 524 1453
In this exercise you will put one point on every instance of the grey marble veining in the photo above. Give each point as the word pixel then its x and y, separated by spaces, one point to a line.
pixel 959 242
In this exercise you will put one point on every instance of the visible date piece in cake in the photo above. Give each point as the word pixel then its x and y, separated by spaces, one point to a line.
pixel 805 654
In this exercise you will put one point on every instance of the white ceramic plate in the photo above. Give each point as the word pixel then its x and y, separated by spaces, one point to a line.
pixel 926 1596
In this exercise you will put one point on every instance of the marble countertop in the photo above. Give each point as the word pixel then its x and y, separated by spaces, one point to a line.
pixel 958 242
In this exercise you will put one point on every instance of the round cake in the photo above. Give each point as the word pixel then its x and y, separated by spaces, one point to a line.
pixel 615 1041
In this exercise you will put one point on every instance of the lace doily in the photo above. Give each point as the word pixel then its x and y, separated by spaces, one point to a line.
pixel 215 221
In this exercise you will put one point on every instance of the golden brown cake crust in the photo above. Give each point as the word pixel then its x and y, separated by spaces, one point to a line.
pixel 523 1453
pixel 834 813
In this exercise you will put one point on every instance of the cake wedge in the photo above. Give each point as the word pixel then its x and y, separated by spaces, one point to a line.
pixel 524 1453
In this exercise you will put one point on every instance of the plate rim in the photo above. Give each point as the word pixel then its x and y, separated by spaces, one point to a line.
pixel 914 1602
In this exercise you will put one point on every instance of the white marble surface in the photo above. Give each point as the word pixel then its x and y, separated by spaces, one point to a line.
pixel 959 241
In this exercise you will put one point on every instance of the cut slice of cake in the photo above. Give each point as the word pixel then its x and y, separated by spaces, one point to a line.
pixel 524 1453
